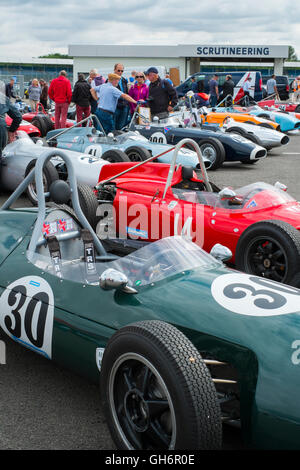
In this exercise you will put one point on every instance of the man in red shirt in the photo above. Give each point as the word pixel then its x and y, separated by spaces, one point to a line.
pixel 60 91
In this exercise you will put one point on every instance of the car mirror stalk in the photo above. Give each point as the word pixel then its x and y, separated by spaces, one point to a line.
pixel 112 279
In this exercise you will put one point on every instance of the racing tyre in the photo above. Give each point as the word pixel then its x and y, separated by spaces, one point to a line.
pixel 50 174
pixel 270 249
pixel 214 151
pixel 88 203
pixel 236 130
pixel 115 156
pixel 266 125
pixel 157 391
pixel 38 122
pixel 249 162
pixel 297 109
pixel 137 154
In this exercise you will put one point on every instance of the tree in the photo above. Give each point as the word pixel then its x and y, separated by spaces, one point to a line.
pixel 55 55
pixel 292 54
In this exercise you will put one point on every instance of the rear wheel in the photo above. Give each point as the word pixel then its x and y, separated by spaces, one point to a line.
pixel 297 109
pixel 43 123
pixel 266 125
pixel 137 154
pixel 214 151
pixel 115 156
pixel 88 203
pixel 270 249
pixel 50 174
pixel 157 391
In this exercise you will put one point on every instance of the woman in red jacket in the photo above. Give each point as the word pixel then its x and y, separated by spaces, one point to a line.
pixel 139 91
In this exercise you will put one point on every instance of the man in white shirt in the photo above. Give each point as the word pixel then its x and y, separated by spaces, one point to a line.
pixel 246 90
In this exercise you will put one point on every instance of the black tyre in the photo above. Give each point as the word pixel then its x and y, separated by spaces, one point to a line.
pixel 213 149
pixel 137 154
pixel 88 203
pixel 270 249
pixel 43 123
pixel 157 391
pixel 50 174
pixel 297 109
pixel 266 125
pixel 249 162
pixel 236 130
pixel 38 122
pixel 252 137
pixel 115 156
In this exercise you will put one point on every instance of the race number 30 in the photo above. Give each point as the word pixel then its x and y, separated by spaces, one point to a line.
pixel 27 313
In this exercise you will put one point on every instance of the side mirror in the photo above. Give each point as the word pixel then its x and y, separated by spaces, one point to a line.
pixel 227 193
pixel 112 279
pixel 231 196
pixel 281 186
pixel 221 252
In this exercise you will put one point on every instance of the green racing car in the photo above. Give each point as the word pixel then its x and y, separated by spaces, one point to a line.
pixel 180 344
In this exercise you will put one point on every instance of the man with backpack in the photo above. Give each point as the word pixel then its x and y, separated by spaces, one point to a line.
pixel 162 95
pixel 81 97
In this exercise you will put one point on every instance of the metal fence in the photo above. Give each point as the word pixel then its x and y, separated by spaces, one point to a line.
pixel 19 83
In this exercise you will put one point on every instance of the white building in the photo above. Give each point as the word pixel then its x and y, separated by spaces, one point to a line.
pixel 188 58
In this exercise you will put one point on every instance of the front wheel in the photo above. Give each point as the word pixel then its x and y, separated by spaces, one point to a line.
pixel 137 154
pixel 115 156
pixel 270 249
pixel 214 151
pixel 157 391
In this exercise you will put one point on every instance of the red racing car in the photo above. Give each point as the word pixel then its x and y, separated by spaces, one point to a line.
pixel 259 222
pixel 25 126
pixel 289 107
pixel 42 120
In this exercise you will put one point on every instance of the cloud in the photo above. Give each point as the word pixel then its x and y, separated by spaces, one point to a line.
pixel 30 28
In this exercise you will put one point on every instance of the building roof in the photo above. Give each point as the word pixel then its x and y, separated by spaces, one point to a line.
pixel 35 60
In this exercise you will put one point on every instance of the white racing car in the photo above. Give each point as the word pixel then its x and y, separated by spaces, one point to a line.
pixel 267 138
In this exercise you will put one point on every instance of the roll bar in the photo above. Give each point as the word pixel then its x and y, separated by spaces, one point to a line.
pixel 37 172
pixel 172 165
pixel 90 117
pixel 200 158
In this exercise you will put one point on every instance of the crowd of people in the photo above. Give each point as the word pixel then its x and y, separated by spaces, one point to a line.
pixel 114 100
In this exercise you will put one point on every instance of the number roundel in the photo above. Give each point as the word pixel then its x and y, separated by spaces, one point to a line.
pixel 158 137
pixel 27 313
pixel 251 295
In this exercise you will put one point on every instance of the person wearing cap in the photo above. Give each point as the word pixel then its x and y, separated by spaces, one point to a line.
pixel 214 90
pixel 228 90
pixel 296 89
pixel 109 95
pixel 162 95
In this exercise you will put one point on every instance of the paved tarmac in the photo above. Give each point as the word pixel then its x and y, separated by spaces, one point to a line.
pixel 43 406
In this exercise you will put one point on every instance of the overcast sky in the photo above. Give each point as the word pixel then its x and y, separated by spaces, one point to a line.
pixel 30 28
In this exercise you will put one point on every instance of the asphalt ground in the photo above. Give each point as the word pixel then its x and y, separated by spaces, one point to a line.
pixel 43 406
